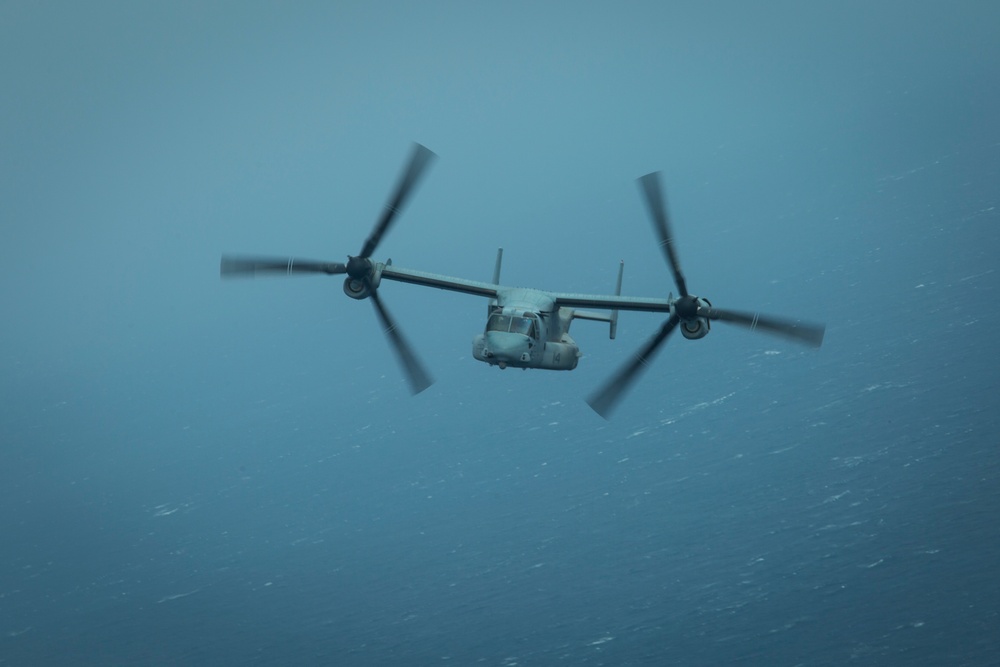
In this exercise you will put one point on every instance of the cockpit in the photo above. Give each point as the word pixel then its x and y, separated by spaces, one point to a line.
pixel 513 324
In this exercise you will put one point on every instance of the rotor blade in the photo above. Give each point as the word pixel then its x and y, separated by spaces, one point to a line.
pixel 802 332
pixel 658 212
pixel 241 266
pixel 604 400
pixel 419 160
pixel 419 378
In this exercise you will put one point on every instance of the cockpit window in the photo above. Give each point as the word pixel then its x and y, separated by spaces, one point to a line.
pixel 522 325
pixel 513 324
pixel 498 322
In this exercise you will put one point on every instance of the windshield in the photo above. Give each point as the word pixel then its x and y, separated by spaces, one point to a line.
pixel 513 324
pixel 522 325
pixel 498 323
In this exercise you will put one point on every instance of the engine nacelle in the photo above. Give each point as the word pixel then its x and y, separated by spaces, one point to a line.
pixel 696 328
pixel 363 276
pixel 686 309
pixel 357 288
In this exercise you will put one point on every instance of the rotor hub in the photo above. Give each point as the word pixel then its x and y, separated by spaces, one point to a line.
pixel 358 267
pixel 686 307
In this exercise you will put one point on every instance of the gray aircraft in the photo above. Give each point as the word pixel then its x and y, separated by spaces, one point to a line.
pixel 526 328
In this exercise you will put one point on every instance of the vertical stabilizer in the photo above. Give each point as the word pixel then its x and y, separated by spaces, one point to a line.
pixel 496 269
pixel 618 292
pixel 496 279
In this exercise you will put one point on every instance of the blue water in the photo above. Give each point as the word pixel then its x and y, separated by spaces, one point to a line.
pixel 204 473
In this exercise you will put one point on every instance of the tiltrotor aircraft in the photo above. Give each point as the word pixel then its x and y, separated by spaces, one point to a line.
pixel 526 328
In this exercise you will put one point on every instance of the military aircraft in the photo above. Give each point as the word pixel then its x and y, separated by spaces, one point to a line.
pixel 526 327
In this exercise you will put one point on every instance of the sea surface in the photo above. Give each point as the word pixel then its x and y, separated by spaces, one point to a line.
pixel 205 472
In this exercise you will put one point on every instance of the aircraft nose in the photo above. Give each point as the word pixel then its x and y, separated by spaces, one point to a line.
pixel 508 347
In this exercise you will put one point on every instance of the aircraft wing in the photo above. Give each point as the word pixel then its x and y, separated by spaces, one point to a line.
pixel 436 280
pixel 601 301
